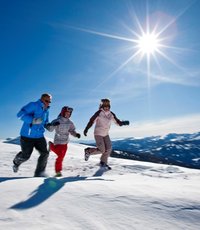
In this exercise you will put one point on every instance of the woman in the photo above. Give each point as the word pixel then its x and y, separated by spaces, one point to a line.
pixel 103 118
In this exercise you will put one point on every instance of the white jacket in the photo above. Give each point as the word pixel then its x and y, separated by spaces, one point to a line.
pixel 62 130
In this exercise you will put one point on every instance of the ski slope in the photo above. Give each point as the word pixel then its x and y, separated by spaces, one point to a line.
pixel 133 195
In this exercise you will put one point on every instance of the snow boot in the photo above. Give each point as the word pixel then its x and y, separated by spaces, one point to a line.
pixel 15 168
pixel 41 174
pixel 87 154
pixel 58 174
pixel 105 166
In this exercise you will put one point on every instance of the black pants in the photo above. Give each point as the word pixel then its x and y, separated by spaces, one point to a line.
pixel 27 145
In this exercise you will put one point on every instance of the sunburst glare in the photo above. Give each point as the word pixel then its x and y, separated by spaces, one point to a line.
pixel 149 43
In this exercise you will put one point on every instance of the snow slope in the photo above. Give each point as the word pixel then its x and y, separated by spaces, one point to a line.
pixel 133 195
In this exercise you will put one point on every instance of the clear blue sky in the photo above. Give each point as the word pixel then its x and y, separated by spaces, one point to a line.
pixel 84 50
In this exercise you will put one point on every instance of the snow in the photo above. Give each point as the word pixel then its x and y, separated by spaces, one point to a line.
pixel 133 195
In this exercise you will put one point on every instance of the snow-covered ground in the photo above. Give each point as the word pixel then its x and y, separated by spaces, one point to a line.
pixel 133 195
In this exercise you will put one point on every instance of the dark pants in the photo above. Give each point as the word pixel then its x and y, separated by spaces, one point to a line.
pixel 27 145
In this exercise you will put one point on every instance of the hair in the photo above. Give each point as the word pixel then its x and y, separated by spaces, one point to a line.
pixel 104 102
pixel 46 95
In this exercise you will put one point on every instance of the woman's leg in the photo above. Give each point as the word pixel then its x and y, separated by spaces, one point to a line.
pixel 108 149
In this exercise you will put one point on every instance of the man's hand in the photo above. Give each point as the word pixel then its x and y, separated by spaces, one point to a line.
pixel 37 121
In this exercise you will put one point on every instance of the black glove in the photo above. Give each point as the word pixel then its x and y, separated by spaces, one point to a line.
pixel 56 123
pixel 125 123
pixel 78 135
pixel 85 132
pixel 47 125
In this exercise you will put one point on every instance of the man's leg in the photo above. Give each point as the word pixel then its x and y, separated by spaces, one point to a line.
pixel 41 146
pixel 26 149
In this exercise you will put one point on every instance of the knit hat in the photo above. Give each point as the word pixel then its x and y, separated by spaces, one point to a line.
pixel 104 103
pixel 66 109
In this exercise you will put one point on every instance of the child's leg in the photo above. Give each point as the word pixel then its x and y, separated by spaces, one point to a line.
pixel 53 147
pixel 60 151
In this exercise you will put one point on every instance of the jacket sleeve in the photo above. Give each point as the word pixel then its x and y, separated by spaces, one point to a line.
pixel 116 119
pixel 26 113
pixel 92 119
pixel 72 129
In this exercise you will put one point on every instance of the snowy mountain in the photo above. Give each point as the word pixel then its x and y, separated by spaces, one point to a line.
pixel 133 195
pixel 175 149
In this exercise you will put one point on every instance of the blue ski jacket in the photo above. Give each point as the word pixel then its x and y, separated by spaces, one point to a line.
pixel 28 113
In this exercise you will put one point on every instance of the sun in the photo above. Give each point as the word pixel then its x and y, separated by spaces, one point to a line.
pixel 148 43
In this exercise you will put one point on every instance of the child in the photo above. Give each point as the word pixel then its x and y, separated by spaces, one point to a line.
pixel 103 118
pixel 63 126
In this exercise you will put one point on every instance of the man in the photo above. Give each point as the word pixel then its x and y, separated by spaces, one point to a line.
pixel 35 116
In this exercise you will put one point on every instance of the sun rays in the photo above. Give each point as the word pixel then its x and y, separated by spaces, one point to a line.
pixel 150 39
pixel 143 43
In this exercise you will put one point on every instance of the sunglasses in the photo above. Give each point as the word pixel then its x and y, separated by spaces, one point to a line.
pixel 68 109
pixel 47 101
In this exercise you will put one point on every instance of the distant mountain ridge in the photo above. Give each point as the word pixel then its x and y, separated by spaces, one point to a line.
pixel 175 149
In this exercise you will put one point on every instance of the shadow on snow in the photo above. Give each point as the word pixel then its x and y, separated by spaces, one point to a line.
pixel 49 187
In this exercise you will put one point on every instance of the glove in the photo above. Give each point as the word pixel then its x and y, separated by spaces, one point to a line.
pixel 125 123
pixel 37 121
pixel 78 135
pixel 47 125
pixel 56 123
pixel 85 132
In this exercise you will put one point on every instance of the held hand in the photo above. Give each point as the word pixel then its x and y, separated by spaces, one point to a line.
pixel 56 123
pixel 78 135
pixel 37 121
pixel 47 125
pixel 85 132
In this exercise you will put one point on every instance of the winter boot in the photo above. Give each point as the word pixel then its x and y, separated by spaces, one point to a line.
pixel 15 168
pixel 58 174
pixel 87 154
pixel 105 166
pixel 41 174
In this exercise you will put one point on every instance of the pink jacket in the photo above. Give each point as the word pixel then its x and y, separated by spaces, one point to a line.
pixel 103 122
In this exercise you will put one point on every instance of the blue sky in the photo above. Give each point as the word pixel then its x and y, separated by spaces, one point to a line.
pixel 84 50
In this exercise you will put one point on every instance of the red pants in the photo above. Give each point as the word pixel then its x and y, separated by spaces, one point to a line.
pixel 60 151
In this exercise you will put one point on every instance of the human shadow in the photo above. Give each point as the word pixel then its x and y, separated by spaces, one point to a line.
pixel 99 172
pixel 49 187
pixel 2 179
